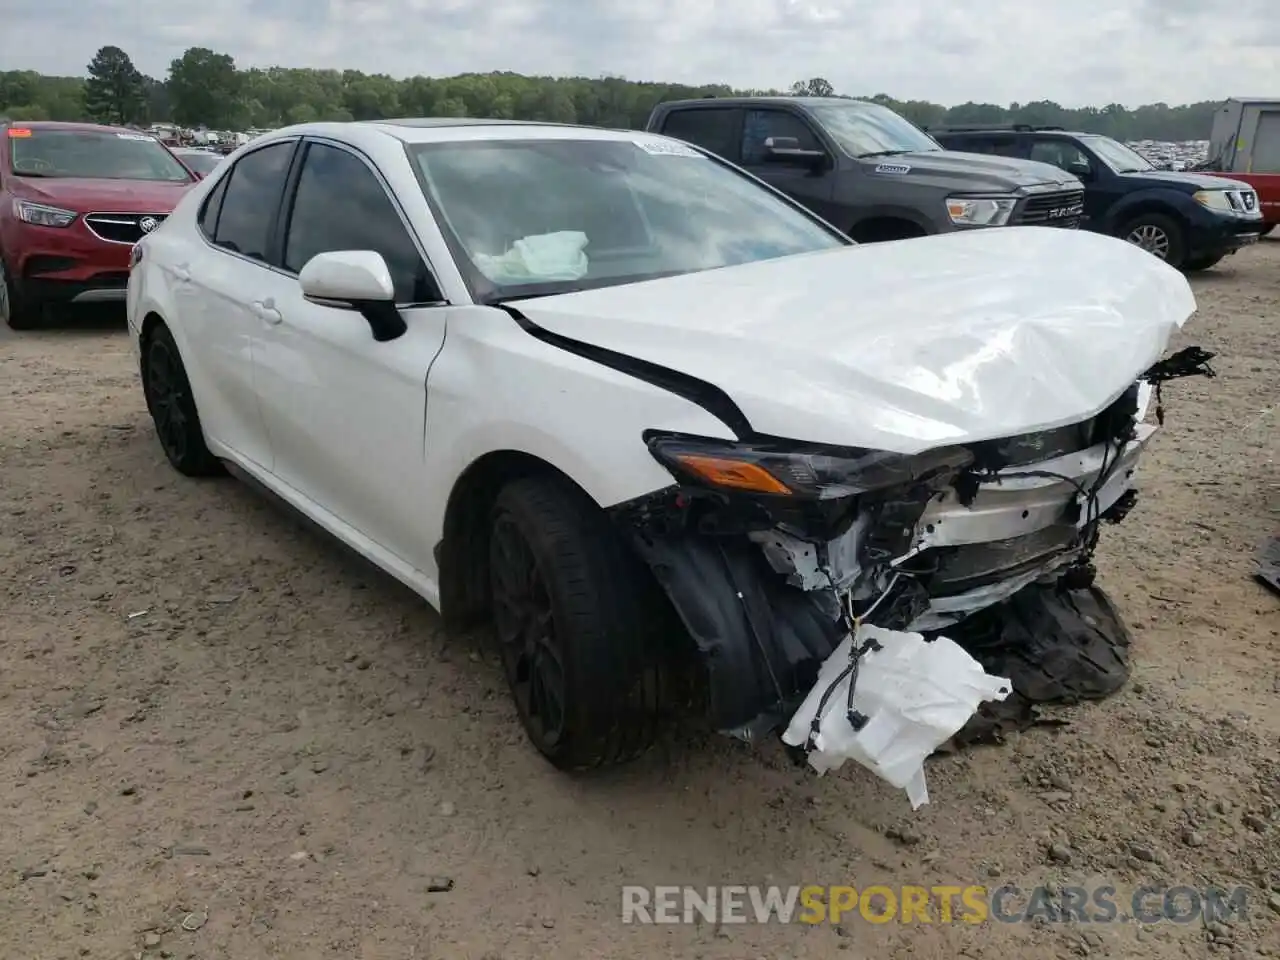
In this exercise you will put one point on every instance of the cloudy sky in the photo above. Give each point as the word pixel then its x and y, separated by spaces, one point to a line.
pixel 948 51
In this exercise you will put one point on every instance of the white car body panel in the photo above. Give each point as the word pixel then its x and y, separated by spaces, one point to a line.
pixel 903 346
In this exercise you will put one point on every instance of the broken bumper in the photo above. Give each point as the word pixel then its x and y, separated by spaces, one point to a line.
pixel 768 603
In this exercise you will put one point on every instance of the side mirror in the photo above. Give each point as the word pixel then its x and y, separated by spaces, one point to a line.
pixel 356 280
pixel 788 150
pixel 1080 169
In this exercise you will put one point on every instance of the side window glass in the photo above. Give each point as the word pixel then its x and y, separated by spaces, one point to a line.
pixel 250 198
pixel 709 127
pixel 1061 153
pixel 759 125
pixel 341 205
pixel 212 207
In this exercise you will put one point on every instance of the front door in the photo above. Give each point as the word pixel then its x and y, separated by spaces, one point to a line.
pixel 345 413
pixel 812 186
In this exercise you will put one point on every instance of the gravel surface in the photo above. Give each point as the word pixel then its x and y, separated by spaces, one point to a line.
pixel 223 737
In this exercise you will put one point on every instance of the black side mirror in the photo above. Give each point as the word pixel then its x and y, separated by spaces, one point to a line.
pixel 1080 169
pixel 788 150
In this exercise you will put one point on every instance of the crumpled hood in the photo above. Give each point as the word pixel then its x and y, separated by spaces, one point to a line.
pixel 902 346
pixel 103 196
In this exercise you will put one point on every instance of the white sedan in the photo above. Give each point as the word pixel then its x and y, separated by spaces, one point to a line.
pixel 622 399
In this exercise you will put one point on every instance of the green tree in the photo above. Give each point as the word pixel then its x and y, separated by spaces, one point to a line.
pixel 115 92
pixel 204 89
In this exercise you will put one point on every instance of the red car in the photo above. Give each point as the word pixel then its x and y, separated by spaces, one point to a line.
pixel 74 198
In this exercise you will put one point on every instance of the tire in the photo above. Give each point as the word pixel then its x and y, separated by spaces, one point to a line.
pixel 1162 236
pixel 1202 263
pixel 173 407
pixel 579 620
pixel 17 311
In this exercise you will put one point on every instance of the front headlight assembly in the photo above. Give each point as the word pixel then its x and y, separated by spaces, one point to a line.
pixel 41 215
pixel 796 471
pixel 981 211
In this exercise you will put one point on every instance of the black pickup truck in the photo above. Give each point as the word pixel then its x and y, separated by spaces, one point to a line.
pixel 1187 219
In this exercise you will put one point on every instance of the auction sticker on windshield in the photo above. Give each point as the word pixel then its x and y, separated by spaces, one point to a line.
pixel 661 148
pixel 134 136
pixel 19 133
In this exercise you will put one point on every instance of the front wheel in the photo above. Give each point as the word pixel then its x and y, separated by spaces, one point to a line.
pixel 579 620
pixel 1159 235
pixel 173 406
pixel 16 311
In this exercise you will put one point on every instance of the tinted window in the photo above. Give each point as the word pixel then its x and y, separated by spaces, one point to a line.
pixel 1060 153
pixel 212 207
pixel 710 128
pixel 250 201
pixel 341 205
pixel 759 125
pixel 1000 146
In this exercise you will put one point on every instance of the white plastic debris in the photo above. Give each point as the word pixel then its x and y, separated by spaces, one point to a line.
pixel 544 257
pixel 916 694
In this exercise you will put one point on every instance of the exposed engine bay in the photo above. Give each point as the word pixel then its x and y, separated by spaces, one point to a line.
pixel 777 553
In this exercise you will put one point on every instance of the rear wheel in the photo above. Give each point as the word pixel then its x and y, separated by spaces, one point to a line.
pixel 579 620
pixel 1159 235
pixel 17 311
pixel 173 407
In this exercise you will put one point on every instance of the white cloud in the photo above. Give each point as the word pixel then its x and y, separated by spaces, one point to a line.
pixel 1074 51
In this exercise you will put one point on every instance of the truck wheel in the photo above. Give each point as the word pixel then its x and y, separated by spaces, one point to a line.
pixel 17 311
pixel 578 618
pixel 173 407
pixel 1159 235
pixel 1197 264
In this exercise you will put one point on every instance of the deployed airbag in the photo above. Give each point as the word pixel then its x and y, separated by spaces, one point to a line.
pixel 912 694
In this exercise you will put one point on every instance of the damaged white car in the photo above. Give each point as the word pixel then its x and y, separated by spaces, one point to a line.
pixel 625 400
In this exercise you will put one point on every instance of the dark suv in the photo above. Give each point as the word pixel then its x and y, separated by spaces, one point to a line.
pixel 868 171
pixel 1189 220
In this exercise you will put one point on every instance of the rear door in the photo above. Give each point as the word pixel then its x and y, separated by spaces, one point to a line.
pixel 718 129
pixel 347 414
pixel 214 291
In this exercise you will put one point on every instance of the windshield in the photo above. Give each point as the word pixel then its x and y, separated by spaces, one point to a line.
pixel 535 217
pixel 1117 156
pixel 200 161
pixel 870 130
pixel 93 154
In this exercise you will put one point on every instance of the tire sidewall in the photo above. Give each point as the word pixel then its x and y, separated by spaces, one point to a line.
pixel 1172 229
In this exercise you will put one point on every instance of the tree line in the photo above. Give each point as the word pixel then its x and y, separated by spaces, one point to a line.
pixel 205 88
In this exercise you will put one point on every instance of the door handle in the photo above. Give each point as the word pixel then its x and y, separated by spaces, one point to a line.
pixel 181 273
pixel 266 311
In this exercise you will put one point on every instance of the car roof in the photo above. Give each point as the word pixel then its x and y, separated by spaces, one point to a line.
pixel 988 131
pixel 414 130
pixel 779 100
pixel 68 126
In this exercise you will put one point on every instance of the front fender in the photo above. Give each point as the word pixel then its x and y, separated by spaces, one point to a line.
pixel 1175 202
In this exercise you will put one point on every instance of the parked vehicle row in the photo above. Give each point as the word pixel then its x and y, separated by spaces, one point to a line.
pixel 630 404
pixel 878 177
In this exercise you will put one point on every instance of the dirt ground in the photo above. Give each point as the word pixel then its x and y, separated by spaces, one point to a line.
pixel 211 714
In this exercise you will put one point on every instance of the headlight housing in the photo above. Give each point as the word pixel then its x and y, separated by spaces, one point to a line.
pixel 42 215
pixel 981 211
pixel 796 472
pixel 1239 203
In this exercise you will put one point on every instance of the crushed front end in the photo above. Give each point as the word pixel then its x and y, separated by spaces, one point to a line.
pixel 771 551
